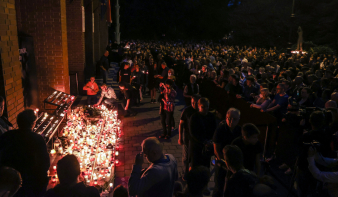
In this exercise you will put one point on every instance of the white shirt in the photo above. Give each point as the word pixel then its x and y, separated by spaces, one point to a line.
pixel 110 93
pixel 331 178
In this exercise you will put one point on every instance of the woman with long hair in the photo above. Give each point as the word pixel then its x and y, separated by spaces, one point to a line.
pixel 263 101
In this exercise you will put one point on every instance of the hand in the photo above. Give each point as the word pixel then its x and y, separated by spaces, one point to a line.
pixel 302 122
pixel 126 108
pixel 311 152
pixel 139 159
pixel 180 141
pixel 95 105
pixel 251 105
pixel 238 96
pixel 262 110
pixel 283 120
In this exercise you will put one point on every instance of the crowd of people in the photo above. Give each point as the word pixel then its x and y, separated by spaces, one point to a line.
pixel 299 89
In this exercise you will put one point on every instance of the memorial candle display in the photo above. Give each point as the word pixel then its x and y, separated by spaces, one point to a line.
pixel 92 135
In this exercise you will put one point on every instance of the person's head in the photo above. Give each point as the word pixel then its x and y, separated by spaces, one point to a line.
pixel 286 84
pixel 203 105
pixel 2 105
pixel 26 119
pixel 233 157
pixel 92 79
pixel 120 191
pixel 280 88
pixel 204 68
pixel 326 94
pixel 171 72
pixel 298 80
pixel 306 92
pixel 106 53
pixel 198 179
pixel 10 181
pixel 213 75
pixel 126 65
pixel 194 101
pixel 330 104
pixel 192 79
pixel 232 117
pixel 68 170
pixel 169 83
pixel 250 133
pixel 334 96
pixel 265 93
pixel 122 85
pixel 104 87
pixel 137 68
pixel 152 149
pixel 250 81
pixel 317 119
pixel 163 65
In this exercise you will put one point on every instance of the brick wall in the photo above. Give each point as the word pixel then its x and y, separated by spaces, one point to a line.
pixel 76 50
pixel 10 68
pixel 45 21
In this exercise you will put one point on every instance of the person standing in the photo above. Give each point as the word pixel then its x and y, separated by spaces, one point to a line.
pixel 226 132
pixel 159 178
pixel 92 90
pixel 26 152
pixel 183 131
pixel 153 83
pixel 137 81
pixel 169 107
pixel 129 99
pixel 191 89
pixel 202 127
pixel 104 66
pixel 5 125
pixel 164 76
pixel 125 73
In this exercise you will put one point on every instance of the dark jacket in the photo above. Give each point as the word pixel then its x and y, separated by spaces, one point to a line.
pixel 26 152
pixel 78 190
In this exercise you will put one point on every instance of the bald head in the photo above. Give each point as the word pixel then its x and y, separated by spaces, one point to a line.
pixel 152 149
pixel 334 96
pixel 330 104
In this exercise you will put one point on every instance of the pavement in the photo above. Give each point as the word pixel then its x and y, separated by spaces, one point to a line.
pixel 147 124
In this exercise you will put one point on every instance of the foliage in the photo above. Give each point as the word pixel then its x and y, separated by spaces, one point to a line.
pixel 321 50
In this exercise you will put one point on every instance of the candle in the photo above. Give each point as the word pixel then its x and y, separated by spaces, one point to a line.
pixel 54 168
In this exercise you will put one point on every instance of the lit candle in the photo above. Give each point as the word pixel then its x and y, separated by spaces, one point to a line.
pixel 54 168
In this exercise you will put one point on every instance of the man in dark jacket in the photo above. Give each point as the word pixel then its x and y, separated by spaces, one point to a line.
pixel 26 152
pixel 68 170
pixel 190 89
pixel 104 66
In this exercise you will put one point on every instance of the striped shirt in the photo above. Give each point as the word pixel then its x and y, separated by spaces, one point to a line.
pixel 169 104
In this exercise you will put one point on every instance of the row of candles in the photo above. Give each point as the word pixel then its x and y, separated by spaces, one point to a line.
pixel 94 144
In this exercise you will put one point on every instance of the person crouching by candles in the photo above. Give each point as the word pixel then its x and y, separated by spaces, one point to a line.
pixel 130 94
pixel 71 182
pixel 108 96
pixel 26 152
pixel 92 89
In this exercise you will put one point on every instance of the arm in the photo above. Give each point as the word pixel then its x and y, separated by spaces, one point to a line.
pixel 329 177
pixel 180 132
pixel 218 151
pixel 185 92
pixel 100 100
pixel 86 87
pixel 127 104
pixel 272 103
pixel 258 165
pixel 273 108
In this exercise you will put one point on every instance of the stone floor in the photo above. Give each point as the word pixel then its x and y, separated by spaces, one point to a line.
pixel 147 124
